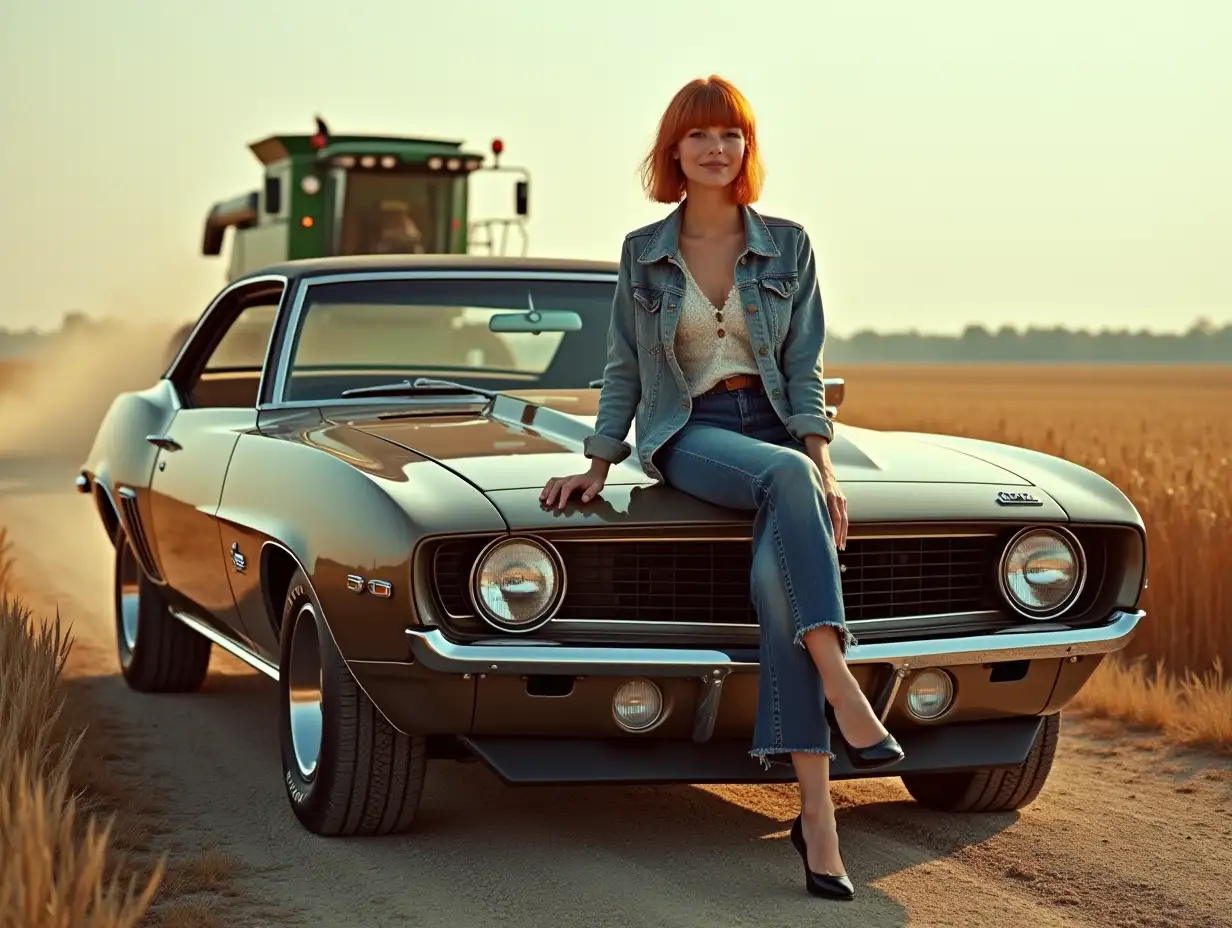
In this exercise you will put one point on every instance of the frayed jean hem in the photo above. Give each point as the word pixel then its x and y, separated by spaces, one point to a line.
pixel 768 756
pixel 845 639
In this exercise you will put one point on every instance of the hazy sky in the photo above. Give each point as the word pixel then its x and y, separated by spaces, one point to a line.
pixel 1042 163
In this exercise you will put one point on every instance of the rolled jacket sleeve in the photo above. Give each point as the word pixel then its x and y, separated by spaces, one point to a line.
pixel 802 350
pixel 622 384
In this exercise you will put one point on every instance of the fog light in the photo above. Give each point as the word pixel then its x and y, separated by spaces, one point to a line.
pixel 637 705
pixel 930 694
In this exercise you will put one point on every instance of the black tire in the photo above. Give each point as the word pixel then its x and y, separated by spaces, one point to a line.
pixel 367 777
pixel 158 654
pixel 1001 789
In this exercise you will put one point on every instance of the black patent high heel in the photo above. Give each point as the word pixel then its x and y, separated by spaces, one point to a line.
pixel 884 753
pixel 820 884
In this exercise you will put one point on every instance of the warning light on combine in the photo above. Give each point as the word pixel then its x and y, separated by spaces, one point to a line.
pixel 497 147
pixel 321 138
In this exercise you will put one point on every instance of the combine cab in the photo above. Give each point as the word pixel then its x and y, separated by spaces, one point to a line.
pixel 361 194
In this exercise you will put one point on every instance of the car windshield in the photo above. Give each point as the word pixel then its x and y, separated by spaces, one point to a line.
pixel 366 333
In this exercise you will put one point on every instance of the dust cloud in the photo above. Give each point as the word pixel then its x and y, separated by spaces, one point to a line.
pixel 51 404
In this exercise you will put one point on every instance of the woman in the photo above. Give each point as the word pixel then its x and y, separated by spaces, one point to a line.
pixel 715 345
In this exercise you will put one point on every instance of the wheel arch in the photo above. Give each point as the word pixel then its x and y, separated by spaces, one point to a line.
pixel 278 566
pixel 108 513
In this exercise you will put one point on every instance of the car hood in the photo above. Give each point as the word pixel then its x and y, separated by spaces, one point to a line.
pixel 524 438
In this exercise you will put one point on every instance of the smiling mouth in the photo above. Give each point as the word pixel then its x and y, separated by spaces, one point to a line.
pixel 713 164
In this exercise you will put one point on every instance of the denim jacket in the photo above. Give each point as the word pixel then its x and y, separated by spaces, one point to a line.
pixel 776 275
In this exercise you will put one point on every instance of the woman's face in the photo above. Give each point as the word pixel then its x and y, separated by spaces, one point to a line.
pixel 711 157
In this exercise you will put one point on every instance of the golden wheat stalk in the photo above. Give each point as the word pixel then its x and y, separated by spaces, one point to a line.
pixel 53 864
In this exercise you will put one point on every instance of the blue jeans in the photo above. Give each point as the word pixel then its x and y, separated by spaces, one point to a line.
pixel 736 452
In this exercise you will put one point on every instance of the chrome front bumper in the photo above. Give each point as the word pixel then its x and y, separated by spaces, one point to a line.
pixel 435 652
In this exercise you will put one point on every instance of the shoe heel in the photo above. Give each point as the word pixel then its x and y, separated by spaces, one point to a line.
pixel 819 884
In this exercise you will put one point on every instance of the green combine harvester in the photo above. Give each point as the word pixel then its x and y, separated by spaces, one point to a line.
pixel 361 194
pixel 325 194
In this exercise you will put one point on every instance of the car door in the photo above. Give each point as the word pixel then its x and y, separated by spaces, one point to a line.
pixel 217 377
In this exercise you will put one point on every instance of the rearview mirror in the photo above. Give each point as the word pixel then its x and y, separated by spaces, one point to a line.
pixel 522 197
pixel 536 321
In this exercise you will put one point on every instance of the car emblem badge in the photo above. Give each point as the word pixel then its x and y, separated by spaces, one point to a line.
pixel 1018 498
pixel 238 559
pixel 380 588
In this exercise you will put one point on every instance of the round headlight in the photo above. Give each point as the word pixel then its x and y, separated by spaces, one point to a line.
pixel 516 584
pixel 1042 571
pixel 310 184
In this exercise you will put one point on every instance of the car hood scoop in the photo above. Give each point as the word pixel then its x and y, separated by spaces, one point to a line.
pixel 526 437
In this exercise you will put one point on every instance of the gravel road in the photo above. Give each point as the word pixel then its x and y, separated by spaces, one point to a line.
pixel 1126 832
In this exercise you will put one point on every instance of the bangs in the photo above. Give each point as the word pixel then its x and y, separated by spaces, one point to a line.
pixel 710 103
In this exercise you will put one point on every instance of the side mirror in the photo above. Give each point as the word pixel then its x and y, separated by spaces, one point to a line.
pixel 536 321
pixel 836 390
pixel 273 195
pixel 522 197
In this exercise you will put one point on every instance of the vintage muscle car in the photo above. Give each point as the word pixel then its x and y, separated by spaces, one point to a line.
pixel 337 481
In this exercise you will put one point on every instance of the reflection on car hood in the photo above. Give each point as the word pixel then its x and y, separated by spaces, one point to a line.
pixel 524 438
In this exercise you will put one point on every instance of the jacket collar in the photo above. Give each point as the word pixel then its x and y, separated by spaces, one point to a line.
pixel 665 242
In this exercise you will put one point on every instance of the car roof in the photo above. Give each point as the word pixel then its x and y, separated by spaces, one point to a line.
pixel 358 264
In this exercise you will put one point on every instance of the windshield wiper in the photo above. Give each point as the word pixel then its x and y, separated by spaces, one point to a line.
pixel 419 385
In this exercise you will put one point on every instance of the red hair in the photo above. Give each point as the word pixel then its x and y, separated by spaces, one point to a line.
pixel 699 104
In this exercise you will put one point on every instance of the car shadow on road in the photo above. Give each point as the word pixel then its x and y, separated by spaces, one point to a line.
pixel 630 854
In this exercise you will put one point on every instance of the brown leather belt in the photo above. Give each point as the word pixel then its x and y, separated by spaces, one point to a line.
pixel 736 382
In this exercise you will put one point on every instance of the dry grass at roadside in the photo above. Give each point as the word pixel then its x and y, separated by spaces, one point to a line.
pixel 78 838
pixel 1194 710
pixel 56 866
pixel 1163 436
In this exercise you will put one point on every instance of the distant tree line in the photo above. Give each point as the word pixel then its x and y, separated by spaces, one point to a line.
pixel 1203 343
pixel 20 343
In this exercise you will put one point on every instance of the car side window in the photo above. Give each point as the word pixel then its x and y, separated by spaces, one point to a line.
pixel 244 344
pixel 231 373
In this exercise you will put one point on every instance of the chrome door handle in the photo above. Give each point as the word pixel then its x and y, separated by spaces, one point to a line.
pixel 166 442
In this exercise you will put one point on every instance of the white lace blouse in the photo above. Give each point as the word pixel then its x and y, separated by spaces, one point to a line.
pixel 705 355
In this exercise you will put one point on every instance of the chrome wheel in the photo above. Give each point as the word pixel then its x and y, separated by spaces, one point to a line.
pixel 128 598
pixel 304 688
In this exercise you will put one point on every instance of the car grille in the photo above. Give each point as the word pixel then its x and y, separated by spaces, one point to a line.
pixel 708 581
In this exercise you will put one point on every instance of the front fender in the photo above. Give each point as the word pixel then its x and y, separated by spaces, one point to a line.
pixel 1083 494
pixel 345 504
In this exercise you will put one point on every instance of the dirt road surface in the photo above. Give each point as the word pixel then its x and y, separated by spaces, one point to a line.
pixel 1126 833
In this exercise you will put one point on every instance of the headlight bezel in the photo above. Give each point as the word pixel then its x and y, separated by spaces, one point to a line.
pixel 558 594
pixel 1068 538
